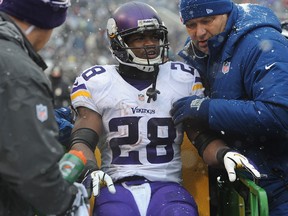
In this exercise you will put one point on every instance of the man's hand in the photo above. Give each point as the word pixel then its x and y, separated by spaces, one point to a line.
pixel 234 160
pixel 64 120
pixel 64 113
pixel 191 108
pixel 95 180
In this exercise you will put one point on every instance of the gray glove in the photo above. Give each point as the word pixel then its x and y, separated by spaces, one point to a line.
pixel 80 206
pixel 81 202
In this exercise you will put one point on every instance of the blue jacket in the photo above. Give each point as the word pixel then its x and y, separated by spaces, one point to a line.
pixel 246 77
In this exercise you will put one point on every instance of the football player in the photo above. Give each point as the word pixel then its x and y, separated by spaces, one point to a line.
pixel 128 106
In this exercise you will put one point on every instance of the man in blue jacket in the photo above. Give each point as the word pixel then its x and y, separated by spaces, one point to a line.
pixel 242 59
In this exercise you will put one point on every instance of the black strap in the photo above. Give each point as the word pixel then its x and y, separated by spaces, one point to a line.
pixel 203 140
pixel 85 135
pixel 221 153
pixel 131 178
pixel 152 92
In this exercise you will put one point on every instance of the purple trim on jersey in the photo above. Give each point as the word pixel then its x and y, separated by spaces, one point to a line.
pixel 167 198
pixel 76 88
pixel 138 84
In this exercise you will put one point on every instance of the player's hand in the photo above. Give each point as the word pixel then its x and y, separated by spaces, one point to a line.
pixel 80 206
pixel 192 108
pixel 234 160
pixel 95 180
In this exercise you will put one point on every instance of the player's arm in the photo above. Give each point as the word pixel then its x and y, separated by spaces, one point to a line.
pixel 215 152
pixel 86 132
pixel 207 145
pixel 85 136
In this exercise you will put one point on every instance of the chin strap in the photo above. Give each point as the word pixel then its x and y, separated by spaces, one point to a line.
pixel 152 92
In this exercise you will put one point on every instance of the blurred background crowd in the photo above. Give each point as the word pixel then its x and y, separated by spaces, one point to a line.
pixel 81 42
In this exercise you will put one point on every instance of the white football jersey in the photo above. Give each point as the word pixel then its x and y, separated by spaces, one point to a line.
pixel 139 137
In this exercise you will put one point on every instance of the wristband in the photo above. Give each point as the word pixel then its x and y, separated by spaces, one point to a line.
pixel 203 139
pixel 221 153
pixel 86 136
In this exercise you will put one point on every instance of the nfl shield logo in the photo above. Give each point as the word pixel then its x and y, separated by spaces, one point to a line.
pixel 41 112
pixel 141 97
pixel 226 67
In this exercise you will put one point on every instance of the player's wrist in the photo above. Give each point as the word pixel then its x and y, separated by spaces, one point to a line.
pixel 221 154
pixel 90 167
pixel 203 139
